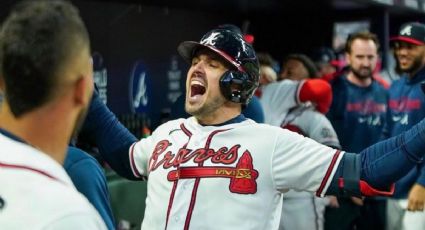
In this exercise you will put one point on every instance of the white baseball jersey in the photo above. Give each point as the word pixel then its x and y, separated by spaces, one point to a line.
pixel 277 98
pixel 36 193
pixel 302 210
pixel 312 124
pixel 226 177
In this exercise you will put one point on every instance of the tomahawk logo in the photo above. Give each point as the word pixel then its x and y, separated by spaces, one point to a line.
pixel 139 89
pixel 406 31
pixel 210 40
pixel 141 98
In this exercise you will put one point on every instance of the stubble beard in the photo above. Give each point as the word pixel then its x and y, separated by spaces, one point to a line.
pixel 207 109
pixel 360 75
pixel 415 67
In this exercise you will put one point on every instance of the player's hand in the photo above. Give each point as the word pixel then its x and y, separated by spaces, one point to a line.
pixel 333 202
pixel 357 201
pixel 416 198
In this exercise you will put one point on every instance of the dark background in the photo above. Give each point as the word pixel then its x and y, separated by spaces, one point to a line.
pixel 148 32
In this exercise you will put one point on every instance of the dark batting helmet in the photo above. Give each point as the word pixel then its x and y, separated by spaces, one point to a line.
pixel 236 85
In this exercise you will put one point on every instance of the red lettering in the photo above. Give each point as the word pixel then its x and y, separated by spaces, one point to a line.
pixel 226 157
pixel 159 149
pixel 167 159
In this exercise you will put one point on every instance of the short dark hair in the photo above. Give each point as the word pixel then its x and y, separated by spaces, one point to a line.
pixel 363 35
pixel 305 60
pixel 265 59
pixel 36 41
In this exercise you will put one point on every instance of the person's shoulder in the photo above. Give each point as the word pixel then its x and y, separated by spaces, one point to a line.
pixel 170 125
pixel 76 155
pixel 260 128
pixel 280 84
pixel 53 200
pixel 379 86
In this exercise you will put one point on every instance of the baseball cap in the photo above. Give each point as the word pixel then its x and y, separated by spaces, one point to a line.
pixel 412 32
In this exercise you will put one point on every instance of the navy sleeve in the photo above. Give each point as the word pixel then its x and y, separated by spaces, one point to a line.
pixel 103 129
pixel 421 178
pixel 88 178
pixel 377 167
pixel 389 160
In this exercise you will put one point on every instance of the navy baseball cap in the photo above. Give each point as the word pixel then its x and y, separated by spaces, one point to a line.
pixel 413 32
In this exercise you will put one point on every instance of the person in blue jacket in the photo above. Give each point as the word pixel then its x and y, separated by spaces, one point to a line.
pixel 359 105
pixel 406 108
pixel 89 179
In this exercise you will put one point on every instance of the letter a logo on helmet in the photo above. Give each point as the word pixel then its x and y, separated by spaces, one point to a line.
pixel 239 84
pixel 406 30
pixel 210 40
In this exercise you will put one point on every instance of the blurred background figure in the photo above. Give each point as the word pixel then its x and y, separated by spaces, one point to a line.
pixel 300 210
pixel 298 67
pixel 358 115
pixel 405 108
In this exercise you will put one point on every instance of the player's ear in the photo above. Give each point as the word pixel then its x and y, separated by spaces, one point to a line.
pixel 83 90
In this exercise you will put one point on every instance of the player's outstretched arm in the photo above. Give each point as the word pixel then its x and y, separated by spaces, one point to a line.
pixel 111 137
pixel 375 169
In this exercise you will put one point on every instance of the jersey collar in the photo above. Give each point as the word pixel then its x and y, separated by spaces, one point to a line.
pixel 234 120
pixel 21 155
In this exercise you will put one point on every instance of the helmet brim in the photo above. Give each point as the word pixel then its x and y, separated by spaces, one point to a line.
pixel 188 48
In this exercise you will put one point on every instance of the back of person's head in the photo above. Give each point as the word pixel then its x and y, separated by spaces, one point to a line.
pixel 295 72
pixel 267 71
pixel 37 40
pixel 265 59
pixel 363 35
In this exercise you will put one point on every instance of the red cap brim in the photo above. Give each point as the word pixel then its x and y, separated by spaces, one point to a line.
pixel 408 40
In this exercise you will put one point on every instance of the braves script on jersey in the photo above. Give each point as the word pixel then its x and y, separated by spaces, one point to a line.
pixel 226 177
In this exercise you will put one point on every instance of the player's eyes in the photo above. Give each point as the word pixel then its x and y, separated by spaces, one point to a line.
pixel 214 65
pixel 194 61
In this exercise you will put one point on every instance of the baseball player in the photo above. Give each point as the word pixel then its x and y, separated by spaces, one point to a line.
pixel 406 107
pixel 47 74
pixel 219 170
pixel 359 105
pixel 302 210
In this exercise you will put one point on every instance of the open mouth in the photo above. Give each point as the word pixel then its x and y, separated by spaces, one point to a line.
pixel 197 88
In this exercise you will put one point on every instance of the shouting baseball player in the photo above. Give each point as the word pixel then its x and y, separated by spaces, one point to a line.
pixel 219 170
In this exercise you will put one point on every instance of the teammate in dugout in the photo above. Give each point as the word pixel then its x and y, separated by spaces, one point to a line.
pixel 219 170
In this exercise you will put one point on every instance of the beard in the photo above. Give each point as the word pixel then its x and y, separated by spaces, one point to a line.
pixel 415 67
pixel 207 108
pixel 362 74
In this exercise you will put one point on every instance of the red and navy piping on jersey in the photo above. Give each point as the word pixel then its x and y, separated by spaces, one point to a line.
pixel 330 172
